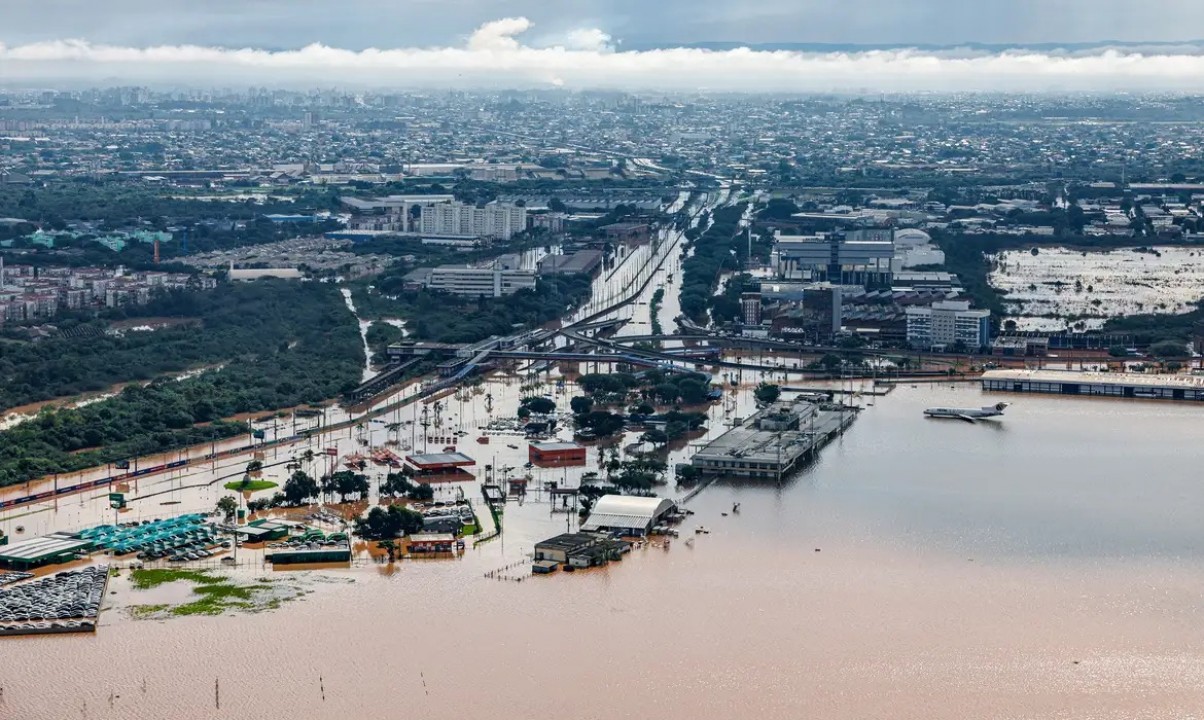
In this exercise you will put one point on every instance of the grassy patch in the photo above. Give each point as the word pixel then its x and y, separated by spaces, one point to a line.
pixel 145 611
pixel 470 529
pixel 216 599
pixel 144 579
pixel 252 486
pixel 214 594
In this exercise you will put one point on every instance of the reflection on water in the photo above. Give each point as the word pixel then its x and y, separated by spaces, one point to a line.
pixel 918 569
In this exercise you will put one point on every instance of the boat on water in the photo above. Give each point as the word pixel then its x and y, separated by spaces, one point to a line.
pixel 967 414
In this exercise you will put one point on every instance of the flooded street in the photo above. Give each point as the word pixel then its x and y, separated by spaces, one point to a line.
pixel 1033 564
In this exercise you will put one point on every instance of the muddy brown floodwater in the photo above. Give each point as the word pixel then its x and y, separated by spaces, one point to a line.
pixel 1047 566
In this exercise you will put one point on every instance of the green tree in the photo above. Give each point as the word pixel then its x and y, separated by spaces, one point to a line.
pixel 1168 349
pixel 539 405
pixel 581 404
pixel 300 488
pixel 767 393
pixel 227 507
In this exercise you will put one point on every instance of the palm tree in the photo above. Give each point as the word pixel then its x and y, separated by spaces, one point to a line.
pixel 308 458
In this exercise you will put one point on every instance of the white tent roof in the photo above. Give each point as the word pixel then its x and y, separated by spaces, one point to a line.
pixel 626 511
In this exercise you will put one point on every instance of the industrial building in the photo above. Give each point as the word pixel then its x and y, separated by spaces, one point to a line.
pixel 630 233
pixel 627 515
pixel 578 550
pixel 772 443
pixel 557 454
pixel 46 550
pixel 501 276
pixel 1096 384
pixel 320 553
pixel 816 317
pixel 582 262
pixel 947 324
pixel 834 258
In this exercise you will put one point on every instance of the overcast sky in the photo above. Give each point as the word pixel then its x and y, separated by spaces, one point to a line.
pixel 357 24
pixel 603 43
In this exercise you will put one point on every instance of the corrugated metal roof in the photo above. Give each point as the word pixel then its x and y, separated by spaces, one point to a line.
pixel 626 511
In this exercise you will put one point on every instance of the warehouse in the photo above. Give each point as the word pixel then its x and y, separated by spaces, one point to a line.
pixel 46 550
pixel 337 553
pixel 1097 384
pixel 556 454
pixel 627 515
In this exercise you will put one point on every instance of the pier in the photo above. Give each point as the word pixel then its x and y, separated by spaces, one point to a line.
pixel 775 441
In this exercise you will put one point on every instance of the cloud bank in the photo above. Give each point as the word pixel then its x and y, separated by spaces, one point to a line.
pixel 495 56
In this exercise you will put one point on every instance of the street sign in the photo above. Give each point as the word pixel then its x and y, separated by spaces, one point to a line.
pixel 122 464
pixel 332 451
pixel 116 500
pixel 259 434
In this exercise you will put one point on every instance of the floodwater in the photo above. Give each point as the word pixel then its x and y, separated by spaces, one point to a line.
pixel 1043 290
pixel 1044 566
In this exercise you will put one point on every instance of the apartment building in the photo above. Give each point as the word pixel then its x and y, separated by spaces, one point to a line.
pixel 495 221
pixel 948 323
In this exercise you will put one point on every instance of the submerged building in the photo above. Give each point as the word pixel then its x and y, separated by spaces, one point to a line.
pixel 627 515
pixel 1096 384
pixel 775 441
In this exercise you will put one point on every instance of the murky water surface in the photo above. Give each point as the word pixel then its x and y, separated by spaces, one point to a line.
pixel 920 569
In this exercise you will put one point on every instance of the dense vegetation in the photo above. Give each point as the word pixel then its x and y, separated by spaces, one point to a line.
pixel 712 254
pixel 1152 329
pixel 96 208
pixel 307 350
pixel 236 322
pixel 654 310
pixel 449 318
pixel 113 204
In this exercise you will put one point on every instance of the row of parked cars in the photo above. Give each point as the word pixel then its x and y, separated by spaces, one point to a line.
pixel 183 549
pixel 48 603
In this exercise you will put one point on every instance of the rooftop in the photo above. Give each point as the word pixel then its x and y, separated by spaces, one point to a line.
pixel 626 511
pixel 1097 378
pixel 41 547
pixel 452 458
pixel 556 446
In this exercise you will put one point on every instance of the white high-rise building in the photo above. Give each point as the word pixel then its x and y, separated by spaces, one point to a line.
pixel 495 221
pixel 948 323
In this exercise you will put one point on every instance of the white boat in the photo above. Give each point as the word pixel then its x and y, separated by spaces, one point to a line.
pixel 967 414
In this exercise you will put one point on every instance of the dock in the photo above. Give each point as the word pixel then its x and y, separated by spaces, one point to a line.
pixel 774 442
pixel 1096 384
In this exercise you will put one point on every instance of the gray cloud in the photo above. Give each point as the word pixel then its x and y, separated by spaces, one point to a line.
pixel 497 54
pixel 359 24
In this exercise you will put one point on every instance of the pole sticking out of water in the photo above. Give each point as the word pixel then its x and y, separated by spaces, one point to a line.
pixel 322 687
pixel 217 694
